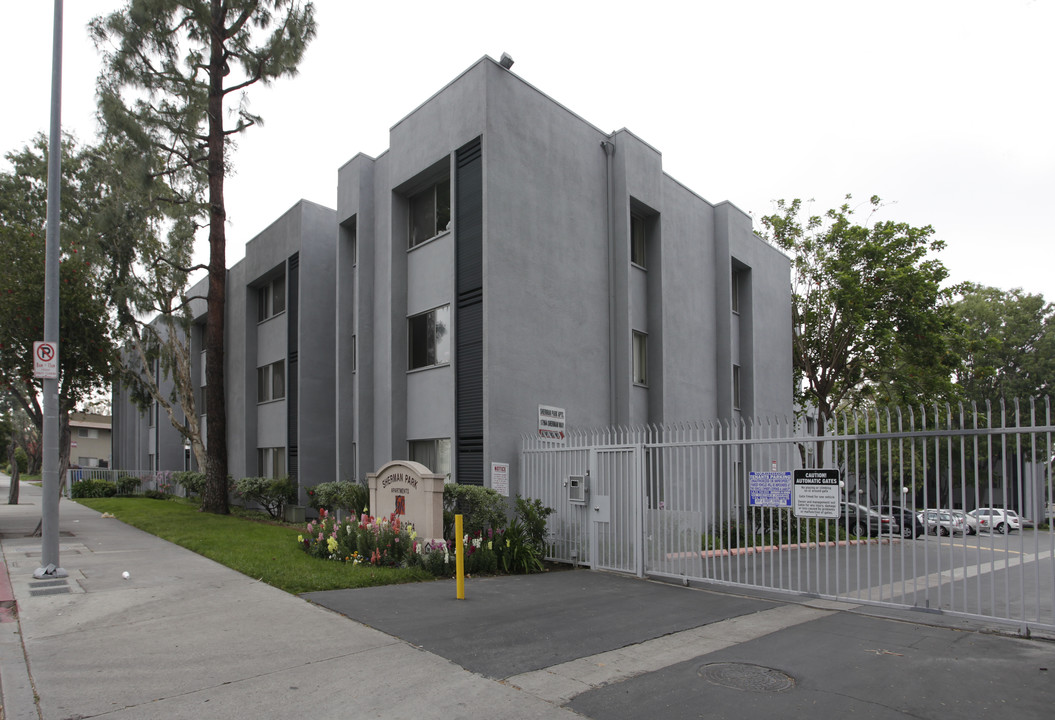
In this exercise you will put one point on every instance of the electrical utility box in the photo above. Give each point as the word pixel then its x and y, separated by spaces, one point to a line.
pixel 577 489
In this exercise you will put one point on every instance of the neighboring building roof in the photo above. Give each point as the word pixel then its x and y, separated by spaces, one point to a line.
pixel 90 420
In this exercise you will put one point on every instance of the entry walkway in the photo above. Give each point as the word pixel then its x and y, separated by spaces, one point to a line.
pixel 184 637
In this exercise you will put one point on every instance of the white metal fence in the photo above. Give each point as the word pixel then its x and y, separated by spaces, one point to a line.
pixel 160 481
pixel 676 502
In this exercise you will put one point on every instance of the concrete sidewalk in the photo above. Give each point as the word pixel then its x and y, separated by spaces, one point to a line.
pixel 184 637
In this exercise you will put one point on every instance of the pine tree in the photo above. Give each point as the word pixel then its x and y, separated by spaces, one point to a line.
pixel 171 70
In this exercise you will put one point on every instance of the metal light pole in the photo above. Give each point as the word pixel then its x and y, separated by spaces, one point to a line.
pixel 49 519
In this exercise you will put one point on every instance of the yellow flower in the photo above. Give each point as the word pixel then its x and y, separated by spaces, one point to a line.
pixel 300 538
pixel 331 544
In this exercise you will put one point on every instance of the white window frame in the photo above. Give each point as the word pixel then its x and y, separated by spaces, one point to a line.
pixel 271 462
pixel 639 349
pixel 638 241
pixel 428 206
pixel 437 352
pixel 271 382
pixel 267 307
pixel 424 450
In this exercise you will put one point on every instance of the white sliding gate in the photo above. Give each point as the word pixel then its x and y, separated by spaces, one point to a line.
pixel 675 502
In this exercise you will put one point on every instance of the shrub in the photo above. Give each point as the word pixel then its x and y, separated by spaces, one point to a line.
pixel 517 554
pixel 781 529
pixel 352 497
pixel 156 495
pixel 93 489
pixel 191 481
pixel 272 494
pixel 22 459
pixel 533 514
pixel 481 509
pixel 128 485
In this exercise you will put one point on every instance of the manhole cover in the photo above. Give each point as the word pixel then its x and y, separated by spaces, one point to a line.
pixel 742 676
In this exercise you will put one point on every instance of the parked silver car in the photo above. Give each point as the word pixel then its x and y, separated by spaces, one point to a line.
pixel 971 523
pixel 942 522
pixel 996 519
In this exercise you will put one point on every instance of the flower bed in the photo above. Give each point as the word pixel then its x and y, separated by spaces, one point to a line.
pixel 390 542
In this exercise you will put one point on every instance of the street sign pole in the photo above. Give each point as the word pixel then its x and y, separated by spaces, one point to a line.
pixel 49 518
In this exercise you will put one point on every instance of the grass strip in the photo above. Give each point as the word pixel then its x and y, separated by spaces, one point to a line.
pixel 262 550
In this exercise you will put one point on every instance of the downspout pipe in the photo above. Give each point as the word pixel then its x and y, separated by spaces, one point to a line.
pixel 613 343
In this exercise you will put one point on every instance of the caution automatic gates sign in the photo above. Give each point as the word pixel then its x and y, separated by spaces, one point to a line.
pixel 816 493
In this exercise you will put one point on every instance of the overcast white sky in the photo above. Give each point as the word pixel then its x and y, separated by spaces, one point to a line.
pixel 944 108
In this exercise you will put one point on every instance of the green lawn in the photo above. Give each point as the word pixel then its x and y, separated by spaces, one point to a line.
pixel 262 550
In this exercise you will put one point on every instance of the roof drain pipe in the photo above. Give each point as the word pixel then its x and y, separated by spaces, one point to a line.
pixel 613 345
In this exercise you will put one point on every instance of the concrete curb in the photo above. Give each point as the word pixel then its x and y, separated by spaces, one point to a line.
pixel 8 606
pixel 17 696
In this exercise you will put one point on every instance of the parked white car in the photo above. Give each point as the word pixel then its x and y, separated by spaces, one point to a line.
pixel 996 519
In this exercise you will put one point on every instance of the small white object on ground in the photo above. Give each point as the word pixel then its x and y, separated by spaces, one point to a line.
pixel 125 575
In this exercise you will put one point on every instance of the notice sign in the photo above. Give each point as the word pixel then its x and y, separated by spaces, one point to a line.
pixel 500 478
pixel 817 493
pixel 46 360
pixel 551 423
pixel 770 489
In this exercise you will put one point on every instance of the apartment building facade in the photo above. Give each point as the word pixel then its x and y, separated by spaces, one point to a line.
pixel 503 258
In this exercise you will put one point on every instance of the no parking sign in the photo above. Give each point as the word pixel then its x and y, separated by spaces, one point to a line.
pixel 46 360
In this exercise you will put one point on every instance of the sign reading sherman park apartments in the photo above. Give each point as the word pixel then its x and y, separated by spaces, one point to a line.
pixel 410 492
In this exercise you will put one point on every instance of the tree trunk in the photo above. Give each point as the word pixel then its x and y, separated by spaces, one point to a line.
pixel 64 446
pixel 12 495
pixel 215 496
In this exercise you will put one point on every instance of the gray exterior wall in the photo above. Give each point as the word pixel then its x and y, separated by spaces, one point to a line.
pixel 134 440
pixel 306 233
pixel 561 297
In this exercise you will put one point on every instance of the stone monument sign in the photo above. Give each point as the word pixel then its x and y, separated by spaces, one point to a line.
pixel 408 490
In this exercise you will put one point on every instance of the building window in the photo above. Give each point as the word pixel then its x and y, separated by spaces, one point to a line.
pixel 90 433
pixel 640 358
pixel 272 299
pixel 433 454
pixel 736 387
pixel 430 212
pixel 152 414
pixel 152 465
pixel 430 338
pixel 735 299
pixel 637 240
pixel 271 382
pixel 271 462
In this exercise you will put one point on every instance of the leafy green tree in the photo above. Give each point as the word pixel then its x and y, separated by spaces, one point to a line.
pixel 1008 344
pixel 85 340
pixel 871 320
pixel 171 70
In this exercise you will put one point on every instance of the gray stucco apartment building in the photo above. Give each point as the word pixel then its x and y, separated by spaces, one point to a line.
pixel 503 254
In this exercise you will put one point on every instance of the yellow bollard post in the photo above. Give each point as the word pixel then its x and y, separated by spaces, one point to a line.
pixel 459 559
